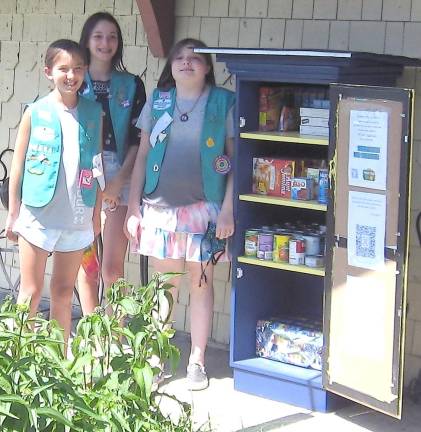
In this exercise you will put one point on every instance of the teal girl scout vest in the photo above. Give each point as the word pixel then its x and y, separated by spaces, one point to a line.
pixel 212 141
pixel 42 162
pixel 122 91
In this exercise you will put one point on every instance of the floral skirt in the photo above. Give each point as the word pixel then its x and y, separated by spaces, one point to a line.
pixel 177 232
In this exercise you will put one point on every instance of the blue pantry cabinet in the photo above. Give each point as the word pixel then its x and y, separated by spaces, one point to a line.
pixel 263 289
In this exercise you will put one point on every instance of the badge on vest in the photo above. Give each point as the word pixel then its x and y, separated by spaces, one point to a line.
pixel 222 164
pixel 163 101
pixel 42 133
pixel 86 179
pixel 125 103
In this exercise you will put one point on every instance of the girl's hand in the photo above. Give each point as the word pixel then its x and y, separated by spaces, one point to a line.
pixel 10 221
pixel 112 190
pixel 225 224
pixel 132 227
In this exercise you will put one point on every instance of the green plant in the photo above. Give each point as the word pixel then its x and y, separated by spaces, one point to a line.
pixel 105 385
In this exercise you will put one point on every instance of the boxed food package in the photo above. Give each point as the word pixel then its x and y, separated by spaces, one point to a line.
pixel 272 176
pixel 297 341
pixel 261 175
pixel 282 172
pixel 270 104
pixel 302 188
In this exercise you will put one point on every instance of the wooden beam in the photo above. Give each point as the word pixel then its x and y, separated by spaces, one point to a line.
pixel 158 21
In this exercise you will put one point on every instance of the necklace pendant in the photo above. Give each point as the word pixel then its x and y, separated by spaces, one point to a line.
pixel 184 117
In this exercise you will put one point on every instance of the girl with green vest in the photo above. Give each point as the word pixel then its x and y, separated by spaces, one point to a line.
pixel 122 96
pixel 180 205
pixel 54 202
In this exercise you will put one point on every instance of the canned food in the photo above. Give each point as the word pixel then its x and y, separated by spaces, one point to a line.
pixel 281 247
pixel 312 244
pixel 250 243
pixel 297 249
pixel 315 261
pixel 265 246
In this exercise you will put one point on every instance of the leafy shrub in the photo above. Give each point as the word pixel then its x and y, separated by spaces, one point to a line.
pixel 105 384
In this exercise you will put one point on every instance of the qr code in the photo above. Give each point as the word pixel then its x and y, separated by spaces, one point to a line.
pixel 366 241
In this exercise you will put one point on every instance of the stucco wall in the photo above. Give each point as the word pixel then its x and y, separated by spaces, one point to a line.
pixel 381 26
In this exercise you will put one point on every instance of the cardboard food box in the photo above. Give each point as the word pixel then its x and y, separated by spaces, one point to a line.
pixel 261 175
pixel 282 172
pixel 297 341
pixel 301 188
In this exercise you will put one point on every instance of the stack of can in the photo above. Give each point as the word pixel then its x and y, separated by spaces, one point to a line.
pixel 302 245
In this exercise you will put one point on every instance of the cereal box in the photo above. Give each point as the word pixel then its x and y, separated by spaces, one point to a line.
pixel 282 172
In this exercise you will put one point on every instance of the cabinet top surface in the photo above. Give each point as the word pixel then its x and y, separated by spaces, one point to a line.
pixel 306 55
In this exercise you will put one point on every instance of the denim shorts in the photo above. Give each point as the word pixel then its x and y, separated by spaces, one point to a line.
pixel 56 240
pixel 111 168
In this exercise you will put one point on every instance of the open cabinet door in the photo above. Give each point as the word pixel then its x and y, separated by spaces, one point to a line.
pixel 367 248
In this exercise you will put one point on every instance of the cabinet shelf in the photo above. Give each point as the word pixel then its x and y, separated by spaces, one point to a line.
pixel 291 137
pixel 279 370
pixel 273 200
pixel 282 266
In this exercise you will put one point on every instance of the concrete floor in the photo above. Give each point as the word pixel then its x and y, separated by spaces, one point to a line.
pixel 228 410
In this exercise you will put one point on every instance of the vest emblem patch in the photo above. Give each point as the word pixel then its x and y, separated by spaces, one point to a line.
pixel 42 133
pixel 86 179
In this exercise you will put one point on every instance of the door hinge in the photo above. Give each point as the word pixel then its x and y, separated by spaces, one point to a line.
pixel 242 122
pixel 406 138
pixel 403 115
pixel 239 272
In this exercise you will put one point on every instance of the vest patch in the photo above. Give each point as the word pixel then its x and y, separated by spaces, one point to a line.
pixel 163 102
pixel 42 133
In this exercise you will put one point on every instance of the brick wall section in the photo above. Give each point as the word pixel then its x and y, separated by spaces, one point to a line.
pixel 381 26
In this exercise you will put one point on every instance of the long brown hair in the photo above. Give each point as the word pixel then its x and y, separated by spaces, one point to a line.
pixel 166 80
pixel 88 27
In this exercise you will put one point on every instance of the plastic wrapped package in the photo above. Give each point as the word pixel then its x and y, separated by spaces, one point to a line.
pixel 297 341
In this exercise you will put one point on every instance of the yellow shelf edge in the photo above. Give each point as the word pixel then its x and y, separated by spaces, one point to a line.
pixel 293 137
pixel 264 199
pixel 283 266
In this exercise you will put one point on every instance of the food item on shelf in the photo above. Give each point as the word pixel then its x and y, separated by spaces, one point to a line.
pixel 301 188
pixel 312 242
pixel 289 119
pixel 281 172
pixel 281 247
pixel 261 175
pixel 265 245
pixel 323 186
pixel 250 242
pixel 296 341
pixel 270 102
pixel 297 251
pixel 315 261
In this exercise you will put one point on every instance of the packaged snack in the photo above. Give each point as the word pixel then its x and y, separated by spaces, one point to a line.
pixel 270 103
pixel 297 341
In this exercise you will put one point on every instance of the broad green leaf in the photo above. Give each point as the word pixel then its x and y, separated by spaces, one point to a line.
pixel 56 415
